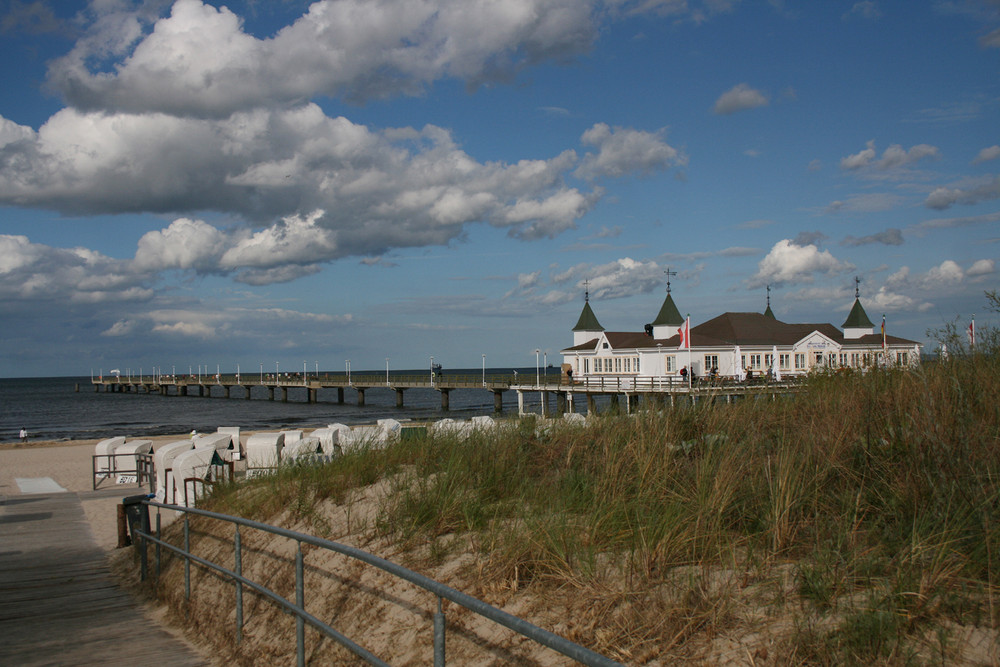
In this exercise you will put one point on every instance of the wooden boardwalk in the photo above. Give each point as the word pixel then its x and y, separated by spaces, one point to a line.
pixel 59 604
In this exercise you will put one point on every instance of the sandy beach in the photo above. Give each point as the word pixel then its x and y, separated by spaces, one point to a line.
pixel 69 464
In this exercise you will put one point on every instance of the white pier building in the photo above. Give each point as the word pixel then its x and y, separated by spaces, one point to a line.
pixel 731 346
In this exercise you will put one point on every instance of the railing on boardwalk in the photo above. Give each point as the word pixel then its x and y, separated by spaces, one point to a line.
pixel 142 536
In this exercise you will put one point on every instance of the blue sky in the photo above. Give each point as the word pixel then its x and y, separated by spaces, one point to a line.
pixel 194 184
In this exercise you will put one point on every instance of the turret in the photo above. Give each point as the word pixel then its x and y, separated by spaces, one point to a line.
pixel 857 323
pixel 587 327
pixel 668 321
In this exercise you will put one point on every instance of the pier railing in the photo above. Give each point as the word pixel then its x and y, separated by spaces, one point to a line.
pixel 492 381
pixel 142 536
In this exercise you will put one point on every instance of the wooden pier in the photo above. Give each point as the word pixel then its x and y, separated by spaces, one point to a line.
pixel 631 389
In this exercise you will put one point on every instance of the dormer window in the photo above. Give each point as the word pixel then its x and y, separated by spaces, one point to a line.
pixel 605 346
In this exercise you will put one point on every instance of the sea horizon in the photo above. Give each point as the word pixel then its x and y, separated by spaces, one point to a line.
pixel 69 408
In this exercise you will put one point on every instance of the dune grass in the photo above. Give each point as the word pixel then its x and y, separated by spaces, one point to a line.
pixel 859 518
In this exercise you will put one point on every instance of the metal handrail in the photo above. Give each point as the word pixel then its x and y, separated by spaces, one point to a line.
pixel 143 469
pixel 553 641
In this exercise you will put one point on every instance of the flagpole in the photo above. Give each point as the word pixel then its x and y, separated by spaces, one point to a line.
pixel 687 339
pixel 885 355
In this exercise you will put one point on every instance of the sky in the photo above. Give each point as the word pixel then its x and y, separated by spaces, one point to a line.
pixel 190 183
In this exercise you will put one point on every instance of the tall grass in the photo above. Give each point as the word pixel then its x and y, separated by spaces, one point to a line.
pixel 880 490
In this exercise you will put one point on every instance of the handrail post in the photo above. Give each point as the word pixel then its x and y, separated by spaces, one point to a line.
pixel 187 560
pixel 439 635
pixel 238 568
pixel 143 554
pixel 158 538
pixel 300 624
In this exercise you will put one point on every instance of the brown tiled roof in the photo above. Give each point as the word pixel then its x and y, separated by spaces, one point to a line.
pixel 757 329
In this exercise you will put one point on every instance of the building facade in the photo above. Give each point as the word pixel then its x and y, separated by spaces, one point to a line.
pixel 732 345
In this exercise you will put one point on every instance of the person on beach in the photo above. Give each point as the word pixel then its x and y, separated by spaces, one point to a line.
pixel 24 434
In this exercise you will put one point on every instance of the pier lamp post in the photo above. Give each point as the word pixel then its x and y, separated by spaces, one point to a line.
pixel 173 372
pixel 537 381
pixel 432 369
pixel 484 370
pixel 276 373
pixel 317 370
pixel 347 363
pixel 387 371
pixel 237 371
pixel 545 365
pixel 262 372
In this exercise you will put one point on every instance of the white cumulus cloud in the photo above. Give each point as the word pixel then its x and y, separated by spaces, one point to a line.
pixel 893 157
pixel 788 263
pixel 623 151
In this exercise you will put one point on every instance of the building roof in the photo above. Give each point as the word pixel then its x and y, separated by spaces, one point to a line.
pixel 588 321
pixel 858 318
pixel 757 329
pixel 731 329
pixel 668 315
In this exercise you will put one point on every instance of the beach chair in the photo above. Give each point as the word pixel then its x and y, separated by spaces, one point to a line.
pixel 236 446
pixel 104 463
pixel 264 451
pixel 163 461
pixel 127 460
pixel 302 449
pixel 192 472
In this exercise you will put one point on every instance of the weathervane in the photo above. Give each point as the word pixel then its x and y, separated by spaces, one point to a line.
pixel 768 296
pixel 857 290
pixel 586 291
pixel 669 273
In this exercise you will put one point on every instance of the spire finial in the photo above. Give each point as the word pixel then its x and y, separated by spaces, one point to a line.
pixel 857 284
pixel 669 273
pixel 768 296
pixel 586 292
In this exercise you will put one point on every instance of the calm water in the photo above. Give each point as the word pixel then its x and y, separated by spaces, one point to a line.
pixel 50 409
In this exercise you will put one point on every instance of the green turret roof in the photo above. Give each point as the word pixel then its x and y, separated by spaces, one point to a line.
pixel 858 319
pixel 588 321
pixel 668 315
pixel 769 312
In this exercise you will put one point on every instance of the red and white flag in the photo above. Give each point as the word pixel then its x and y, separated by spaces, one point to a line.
pixel 972 333
pixel 883 333
pixel 685 334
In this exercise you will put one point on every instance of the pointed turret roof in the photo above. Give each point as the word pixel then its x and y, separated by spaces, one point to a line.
pixel 588 321
pixel 858 319
pixel 668 315
pixel 769 312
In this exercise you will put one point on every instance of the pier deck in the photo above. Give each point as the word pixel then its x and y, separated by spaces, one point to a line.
pixel 631 388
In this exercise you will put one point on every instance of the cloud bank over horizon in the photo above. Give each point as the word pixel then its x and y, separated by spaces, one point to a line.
pixel 251 153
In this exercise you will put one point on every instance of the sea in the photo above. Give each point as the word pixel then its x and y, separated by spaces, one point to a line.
pixel 68 408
